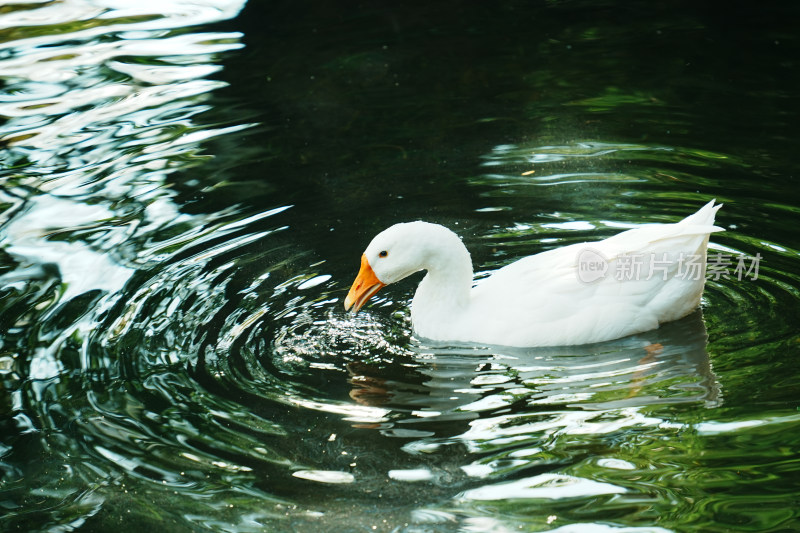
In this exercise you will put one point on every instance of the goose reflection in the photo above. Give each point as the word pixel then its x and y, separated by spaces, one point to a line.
pixel 663 367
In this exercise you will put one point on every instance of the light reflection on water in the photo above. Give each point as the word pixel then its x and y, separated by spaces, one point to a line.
pixel 174 350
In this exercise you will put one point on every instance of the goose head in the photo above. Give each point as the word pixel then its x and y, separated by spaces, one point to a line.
pixel 398 252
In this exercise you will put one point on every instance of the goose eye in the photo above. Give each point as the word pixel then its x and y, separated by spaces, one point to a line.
pixel 383 253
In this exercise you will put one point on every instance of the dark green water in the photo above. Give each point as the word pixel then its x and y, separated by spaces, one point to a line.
pixel 187 188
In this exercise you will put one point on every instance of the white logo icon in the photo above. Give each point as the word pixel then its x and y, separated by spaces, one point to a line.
pixel 592 265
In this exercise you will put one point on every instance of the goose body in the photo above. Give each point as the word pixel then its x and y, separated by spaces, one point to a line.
pixel 578 294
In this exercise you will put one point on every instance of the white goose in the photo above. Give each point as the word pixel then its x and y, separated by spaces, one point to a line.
pixel 578 294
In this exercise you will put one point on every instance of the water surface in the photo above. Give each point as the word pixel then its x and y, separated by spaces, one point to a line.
pixel 187 188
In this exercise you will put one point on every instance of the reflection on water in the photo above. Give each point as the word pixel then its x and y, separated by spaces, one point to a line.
pixel 530 404
pixel 180 215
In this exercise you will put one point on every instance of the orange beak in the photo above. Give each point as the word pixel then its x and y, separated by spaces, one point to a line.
pixel 364 287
